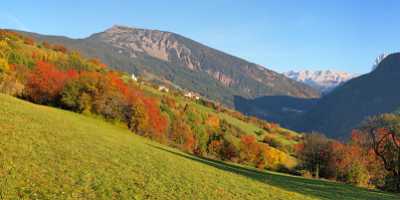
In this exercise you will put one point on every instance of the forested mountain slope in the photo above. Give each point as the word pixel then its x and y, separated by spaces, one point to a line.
pixel 172 59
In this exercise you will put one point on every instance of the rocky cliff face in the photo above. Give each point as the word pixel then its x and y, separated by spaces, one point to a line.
pixel 158 44
pixel 183 52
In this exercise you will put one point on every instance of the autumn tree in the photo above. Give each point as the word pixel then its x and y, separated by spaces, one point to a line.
pixel 229 151
pixel 110 105
pixel 313 153
pixel 29 41
pixel 79 93
pixel 137 118
pixel 4 67
pixel 45 83
pixel 158 121
pixel 9 84
pixel 347 163
pixel 181 134
pixel 108 100
pixel 213 121
pixel 214 148
pixel 97 62
pixel 384 134
pixel 249 148
pixel 60 48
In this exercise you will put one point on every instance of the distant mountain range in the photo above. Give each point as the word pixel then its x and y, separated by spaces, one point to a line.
pixel 341 110
pixel 171 59
pixel 344 108
pixel 321 80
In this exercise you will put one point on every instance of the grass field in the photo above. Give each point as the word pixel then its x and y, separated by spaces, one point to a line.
pixel 47 153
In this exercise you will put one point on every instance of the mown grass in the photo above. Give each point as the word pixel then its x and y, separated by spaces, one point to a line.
pixel 47 153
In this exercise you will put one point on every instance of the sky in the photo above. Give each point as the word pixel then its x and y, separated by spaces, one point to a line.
pixel 282 35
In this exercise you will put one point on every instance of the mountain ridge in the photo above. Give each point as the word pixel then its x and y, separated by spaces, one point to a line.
pixel 337 113
pixel 172 59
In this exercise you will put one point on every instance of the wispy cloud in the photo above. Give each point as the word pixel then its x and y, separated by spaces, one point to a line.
pixel 7 19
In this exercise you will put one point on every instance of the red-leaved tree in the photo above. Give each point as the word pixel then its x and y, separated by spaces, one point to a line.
pixel 46 82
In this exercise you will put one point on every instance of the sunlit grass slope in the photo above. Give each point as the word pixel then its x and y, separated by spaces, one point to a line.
pixel 46 153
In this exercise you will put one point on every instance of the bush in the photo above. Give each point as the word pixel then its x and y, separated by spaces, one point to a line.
pixel 357 175
pixel 45 83
pixel 10 85
pixel 306 174
pixel 272 141
pixel 4 67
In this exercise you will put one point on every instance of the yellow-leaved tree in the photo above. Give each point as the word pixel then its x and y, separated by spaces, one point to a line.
pixel 4 67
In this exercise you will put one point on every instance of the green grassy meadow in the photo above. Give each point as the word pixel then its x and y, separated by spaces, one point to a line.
pixel 47 153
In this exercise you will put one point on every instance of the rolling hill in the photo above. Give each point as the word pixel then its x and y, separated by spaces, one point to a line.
pixel 172 59
pixel 47 153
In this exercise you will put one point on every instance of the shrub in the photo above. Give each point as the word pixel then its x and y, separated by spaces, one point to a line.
pixel 306 174
pixel 272 141
pixel 182 135
pixel 4 67
pixel 45 83
pixel 10 85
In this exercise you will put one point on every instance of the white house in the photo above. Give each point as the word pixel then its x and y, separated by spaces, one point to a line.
pixel 192 95
pixel 163 88
pixel 134 77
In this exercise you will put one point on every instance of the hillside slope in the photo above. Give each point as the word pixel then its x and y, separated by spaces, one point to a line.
pixel 46 153
pixel 173 59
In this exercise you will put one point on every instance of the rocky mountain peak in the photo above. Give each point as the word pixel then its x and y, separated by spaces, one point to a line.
pixel 322 80
pixel 158 44
pixel 117 28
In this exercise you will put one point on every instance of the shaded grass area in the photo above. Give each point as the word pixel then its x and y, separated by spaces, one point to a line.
pixel 47 153
pixel 320 189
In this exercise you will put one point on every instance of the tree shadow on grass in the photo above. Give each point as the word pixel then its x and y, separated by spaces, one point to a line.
pixel 309 187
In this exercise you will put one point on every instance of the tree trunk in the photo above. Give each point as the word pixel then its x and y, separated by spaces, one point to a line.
pixel 317 171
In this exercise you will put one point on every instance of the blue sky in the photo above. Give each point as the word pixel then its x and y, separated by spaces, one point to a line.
pixel 343 35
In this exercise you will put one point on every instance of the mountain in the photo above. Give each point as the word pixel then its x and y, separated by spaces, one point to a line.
pixel 171 59
pixel 339 111
pixel 345 107
pixel 321 80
